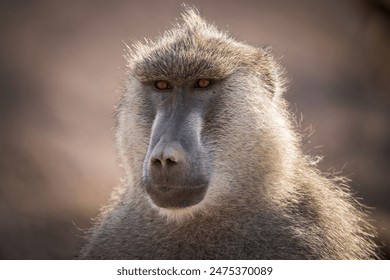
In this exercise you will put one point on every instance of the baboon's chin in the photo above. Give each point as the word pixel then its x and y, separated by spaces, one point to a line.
pixel 176 197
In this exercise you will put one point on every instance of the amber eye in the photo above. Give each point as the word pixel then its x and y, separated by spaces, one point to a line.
pixel 162 85
pixel 203 83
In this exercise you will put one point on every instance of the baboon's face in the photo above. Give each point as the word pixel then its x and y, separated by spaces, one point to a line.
pixel 188 106
pixel 176 166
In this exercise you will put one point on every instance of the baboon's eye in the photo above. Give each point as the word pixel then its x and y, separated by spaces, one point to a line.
pixel 202 83
pixel 162 85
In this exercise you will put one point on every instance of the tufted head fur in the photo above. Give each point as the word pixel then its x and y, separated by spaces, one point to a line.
pixel 196 49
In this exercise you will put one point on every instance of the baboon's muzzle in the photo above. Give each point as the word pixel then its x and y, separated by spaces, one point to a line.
pixel 172 179
pixel 175 169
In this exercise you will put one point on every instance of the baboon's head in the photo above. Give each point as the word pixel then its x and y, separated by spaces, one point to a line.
pixel 201 113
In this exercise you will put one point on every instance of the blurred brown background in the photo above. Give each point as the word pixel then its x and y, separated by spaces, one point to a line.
pixel 61 68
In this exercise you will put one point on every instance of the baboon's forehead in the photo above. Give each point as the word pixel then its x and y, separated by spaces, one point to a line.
pixel 191 56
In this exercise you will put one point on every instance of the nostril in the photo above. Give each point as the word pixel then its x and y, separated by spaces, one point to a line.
pixel 156 161
pixel 170 161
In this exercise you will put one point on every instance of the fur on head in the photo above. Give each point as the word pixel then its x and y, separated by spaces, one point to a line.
pixel 194 49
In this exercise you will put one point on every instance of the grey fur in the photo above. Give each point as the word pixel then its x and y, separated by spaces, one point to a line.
pixel 265 200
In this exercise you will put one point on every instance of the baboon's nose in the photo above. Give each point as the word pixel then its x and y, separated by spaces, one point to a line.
pixel 167 155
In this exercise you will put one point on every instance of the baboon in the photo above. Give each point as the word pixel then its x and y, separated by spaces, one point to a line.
pixel 214 167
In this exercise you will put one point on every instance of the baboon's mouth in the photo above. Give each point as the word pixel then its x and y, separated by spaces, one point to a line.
pixel 166 196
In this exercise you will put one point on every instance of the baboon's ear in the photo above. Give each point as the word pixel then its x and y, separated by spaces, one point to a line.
pixel 271 73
